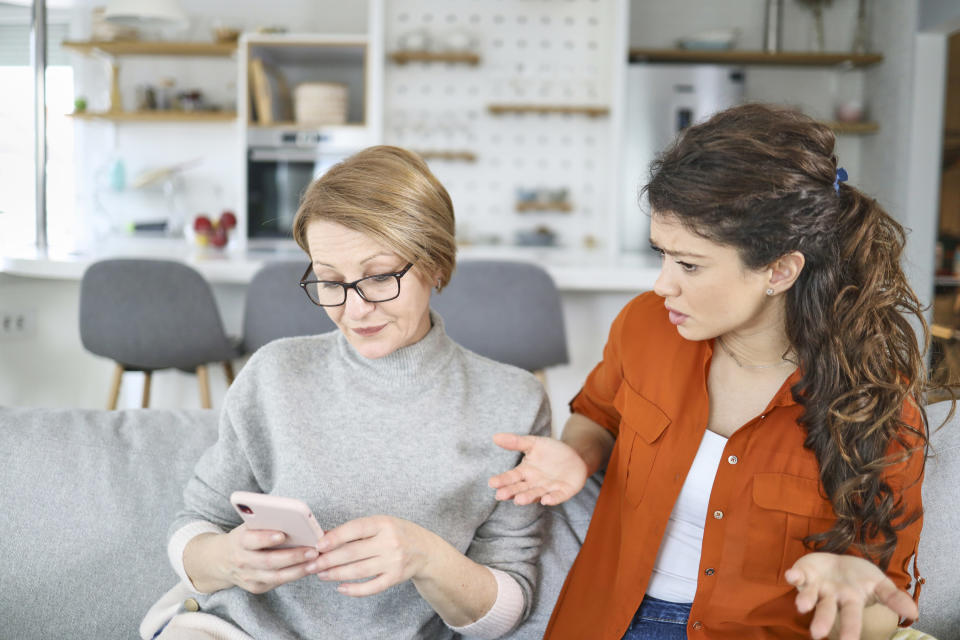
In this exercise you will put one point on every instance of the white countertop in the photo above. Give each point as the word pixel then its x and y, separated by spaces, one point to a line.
pixel 572 270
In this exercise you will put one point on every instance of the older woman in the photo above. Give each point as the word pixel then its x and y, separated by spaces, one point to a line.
pixel 383 428
pixel 758 413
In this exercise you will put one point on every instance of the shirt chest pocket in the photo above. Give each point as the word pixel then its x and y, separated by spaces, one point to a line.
pixel 785 510
pixel 641 425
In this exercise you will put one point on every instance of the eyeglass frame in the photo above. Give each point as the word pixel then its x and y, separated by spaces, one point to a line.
pixel 351 285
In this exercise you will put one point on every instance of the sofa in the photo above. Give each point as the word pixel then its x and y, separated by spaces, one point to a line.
pixel 86 497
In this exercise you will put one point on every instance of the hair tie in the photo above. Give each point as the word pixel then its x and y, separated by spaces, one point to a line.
pixel 841 177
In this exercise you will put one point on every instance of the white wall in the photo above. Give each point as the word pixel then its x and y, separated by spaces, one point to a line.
pixel 940 16
pixel 658 24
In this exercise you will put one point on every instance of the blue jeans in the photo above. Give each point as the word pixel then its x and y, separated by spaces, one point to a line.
pixel 659 620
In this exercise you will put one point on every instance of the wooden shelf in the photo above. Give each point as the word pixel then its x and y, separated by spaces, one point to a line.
pixel 853 128
pixel 290 124
pixel 450 155
pixel 561 207
pixel 157 116
pixel 593 112
pixel 152 48
pixel 788 58
pixel 403 57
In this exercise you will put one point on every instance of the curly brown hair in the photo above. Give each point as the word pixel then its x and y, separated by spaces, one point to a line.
pixel 761 179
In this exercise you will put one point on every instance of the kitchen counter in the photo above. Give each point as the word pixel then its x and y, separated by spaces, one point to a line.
pixel 572 270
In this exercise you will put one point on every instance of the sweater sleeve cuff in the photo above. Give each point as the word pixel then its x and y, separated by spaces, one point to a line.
pixel 503 615
pixel 178 542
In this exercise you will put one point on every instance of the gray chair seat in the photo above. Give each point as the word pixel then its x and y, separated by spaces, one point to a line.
pixel 276 307
pixel 148 315
pixel 506 311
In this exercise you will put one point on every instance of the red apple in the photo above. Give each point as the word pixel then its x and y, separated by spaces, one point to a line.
pixel 228 219
pixel 219 238
pixel 202 224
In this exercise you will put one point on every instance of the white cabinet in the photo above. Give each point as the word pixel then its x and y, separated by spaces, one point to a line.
pixel 281 153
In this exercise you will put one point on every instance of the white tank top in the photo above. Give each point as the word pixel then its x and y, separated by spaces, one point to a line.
pixel 675 572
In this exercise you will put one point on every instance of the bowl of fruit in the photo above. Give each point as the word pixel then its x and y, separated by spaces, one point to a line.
pixel 208 232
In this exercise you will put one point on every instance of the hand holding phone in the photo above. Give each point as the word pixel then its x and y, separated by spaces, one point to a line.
pixel 275 513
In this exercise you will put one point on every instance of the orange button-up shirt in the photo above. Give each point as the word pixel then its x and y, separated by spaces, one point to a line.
pixel 650 392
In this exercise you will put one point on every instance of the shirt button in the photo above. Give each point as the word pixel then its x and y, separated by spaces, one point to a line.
pixel 709 572
pixel 697 625
pixel 718 514
pixel 733 460
pixel 763 416
pixel 191 604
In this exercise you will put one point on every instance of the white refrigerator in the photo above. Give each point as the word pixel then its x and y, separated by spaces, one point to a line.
pixel 662 99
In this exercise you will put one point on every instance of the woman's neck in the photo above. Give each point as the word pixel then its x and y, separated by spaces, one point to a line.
pixel 757 351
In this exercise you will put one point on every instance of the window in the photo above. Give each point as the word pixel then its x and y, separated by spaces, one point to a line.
pixel 17 161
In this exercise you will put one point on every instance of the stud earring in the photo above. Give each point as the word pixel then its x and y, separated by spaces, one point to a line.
pixel 769 292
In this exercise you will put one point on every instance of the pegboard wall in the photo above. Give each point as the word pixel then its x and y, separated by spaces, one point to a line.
pixel 533 54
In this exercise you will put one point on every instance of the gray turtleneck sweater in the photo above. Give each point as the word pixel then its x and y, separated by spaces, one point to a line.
pixel 407 435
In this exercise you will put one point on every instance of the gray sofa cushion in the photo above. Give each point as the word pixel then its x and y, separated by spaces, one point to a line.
pixel 565 528
pixel 86 500
pixel 939 542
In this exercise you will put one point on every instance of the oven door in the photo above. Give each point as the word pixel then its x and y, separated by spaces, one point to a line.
pixel 276 180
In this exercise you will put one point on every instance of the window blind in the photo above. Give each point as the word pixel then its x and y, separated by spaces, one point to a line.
pixel 15 45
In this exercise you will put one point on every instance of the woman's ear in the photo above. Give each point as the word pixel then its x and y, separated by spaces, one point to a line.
pixel 785 271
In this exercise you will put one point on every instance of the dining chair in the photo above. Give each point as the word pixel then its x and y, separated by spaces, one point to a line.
pixel 275 306
pixel 508 311
pixel 147 315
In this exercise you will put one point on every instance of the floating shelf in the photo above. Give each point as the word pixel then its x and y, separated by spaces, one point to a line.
pixel 152 48
pixel 437 154
pixel 157 116
pixel 299 126
pixel 562 207
pixel 593 112
pixel 403 57
pixel 853 128
pixel 803 59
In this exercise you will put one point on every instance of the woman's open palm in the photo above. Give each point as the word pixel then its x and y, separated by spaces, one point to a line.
pixel 550 471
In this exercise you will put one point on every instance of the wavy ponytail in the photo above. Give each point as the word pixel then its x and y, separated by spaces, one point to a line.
pixel 861 363
pixel 761 179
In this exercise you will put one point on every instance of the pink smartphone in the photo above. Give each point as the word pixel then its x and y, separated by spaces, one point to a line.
pixel 274 513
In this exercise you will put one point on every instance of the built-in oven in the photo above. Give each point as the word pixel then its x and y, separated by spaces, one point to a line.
pixel 281 163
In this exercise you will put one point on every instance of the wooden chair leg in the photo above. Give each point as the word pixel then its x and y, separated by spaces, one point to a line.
pixel 204 382
pixel 115 387
pixel 146 389
pixel 228 371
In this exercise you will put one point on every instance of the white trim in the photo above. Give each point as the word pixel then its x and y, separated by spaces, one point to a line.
pixel 924 153
pixel 178 542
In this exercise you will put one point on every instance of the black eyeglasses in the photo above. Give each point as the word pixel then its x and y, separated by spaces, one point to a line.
pixel 378 288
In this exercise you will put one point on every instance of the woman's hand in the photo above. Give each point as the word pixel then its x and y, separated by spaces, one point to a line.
pixel 840 587
pixel 383 550
pixel 551 471
pixel 244 558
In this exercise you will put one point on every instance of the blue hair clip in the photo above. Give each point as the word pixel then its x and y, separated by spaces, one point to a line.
pixel 841 177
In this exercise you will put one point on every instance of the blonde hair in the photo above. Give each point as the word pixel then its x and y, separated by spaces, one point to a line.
pixel 390 195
